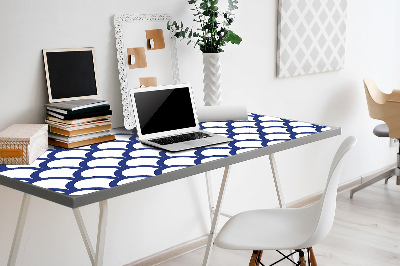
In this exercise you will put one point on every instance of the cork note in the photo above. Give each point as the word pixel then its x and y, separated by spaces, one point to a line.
pixel 155 39
pixel 137 58
pixel 148 82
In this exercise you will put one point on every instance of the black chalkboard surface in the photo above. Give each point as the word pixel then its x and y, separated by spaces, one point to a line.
pixel 70 73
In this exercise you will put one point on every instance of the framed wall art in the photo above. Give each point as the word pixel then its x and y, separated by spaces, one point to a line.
pixel 146 53
pixel 311 36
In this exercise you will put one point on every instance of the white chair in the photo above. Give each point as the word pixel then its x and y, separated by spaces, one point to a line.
pixel 287 229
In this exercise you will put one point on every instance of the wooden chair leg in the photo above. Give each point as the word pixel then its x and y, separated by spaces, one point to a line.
pixel 255 258
pixel 313 260
pixel 302 259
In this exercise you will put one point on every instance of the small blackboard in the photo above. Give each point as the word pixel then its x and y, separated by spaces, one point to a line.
pixel 70 74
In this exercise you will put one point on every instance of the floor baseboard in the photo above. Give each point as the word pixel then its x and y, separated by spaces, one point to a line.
pixel 172 252
pixel 200 242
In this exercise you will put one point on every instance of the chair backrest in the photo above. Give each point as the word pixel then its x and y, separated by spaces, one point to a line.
pixel 327 203
pixel 376 99
pixel 382 106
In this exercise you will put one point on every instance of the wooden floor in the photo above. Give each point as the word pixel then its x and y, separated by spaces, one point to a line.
pixel 366 232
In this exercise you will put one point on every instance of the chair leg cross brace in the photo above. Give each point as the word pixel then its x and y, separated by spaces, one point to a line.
pixel 287 257
pixel 256 258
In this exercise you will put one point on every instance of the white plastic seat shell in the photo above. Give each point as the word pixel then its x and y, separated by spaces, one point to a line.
pixel 271 229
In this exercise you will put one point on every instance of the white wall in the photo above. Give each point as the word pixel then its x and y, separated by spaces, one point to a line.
pixel 146 222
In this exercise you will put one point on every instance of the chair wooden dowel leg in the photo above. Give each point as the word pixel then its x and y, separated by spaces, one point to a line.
pixel 312 257
pixel 255 258
pixel 302 259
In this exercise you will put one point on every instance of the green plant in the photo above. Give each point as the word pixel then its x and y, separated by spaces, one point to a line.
pixel 214 32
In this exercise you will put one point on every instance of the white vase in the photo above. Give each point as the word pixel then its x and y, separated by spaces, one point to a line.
pixel 212 75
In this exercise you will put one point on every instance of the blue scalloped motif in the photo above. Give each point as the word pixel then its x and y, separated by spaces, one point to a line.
pixel 100 166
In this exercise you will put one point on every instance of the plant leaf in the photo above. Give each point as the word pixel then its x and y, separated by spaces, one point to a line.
pixel 233 38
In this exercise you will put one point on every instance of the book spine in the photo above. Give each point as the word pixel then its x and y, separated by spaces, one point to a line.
pixel 83 125
pixel 78 121
pixel 80 111
pixel 71 106
pixel 80 116
pixel 61 111
pixel 79 131
pixel 81 143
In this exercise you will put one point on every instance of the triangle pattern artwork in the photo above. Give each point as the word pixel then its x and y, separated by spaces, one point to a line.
pixel 311 36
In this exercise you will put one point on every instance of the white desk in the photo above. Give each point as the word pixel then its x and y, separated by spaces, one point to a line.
pixel 102 171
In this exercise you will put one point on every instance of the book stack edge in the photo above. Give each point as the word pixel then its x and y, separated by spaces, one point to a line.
pixel 79 123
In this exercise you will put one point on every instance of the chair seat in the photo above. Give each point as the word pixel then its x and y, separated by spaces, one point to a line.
pixel 269 229
pixel 381 130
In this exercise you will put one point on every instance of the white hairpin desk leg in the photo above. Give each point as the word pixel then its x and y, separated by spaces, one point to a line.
pixel 215 217
pixel 95 258
pixel 19 229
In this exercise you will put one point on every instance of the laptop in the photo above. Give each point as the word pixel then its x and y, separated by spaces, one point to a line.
pixel 166 118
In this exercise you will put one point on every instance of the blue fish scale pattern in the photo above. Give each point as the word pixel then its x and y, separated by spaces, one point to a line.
pixel 100 166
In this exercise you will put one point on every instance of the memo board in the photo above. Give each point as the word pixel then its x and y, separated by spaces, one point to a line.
pixel 150 61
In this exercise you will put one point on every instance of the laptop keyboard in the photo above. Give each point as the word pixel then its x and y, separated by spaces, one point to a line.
pixel 180 138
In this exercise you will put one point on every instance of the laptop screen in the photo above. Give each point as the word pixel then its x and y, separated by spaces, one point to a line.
pixel 164 110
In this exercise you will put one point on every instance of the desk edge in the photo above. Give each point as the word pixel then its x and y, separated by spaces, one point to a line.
pixel 80 201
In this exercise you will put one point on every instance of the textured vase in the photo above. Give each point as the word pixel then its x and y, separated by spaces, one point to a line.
pixel 212 75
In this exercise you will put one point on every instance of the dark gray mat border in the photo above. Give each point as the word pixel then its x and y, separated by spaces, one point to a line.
pixel 79 201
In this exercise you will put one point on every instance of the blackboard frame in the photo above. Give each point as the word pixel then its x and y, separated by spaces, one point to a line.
pixel 63 50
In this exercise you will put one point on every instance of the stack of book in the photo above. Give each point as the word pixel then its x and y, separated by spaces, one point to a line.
pixel 78 123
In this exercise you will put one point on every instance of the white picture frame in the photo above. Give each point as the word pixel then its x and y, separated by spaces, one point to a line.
pixel 163 64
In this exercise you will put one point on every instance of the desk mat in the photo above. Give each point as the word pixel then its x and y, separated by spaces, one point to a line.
pixel 100 166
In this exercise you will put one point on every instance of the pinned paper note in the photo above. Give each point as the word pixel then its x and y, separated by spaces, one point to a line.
pixel 148 82
pixel 155 39
pixel 137 58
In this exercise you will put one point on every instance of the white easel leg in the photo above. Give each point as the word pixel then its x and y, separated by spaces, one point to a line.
pixel 85 236
pixel 277 182
pixel 101 233
pixel 210 195
pixel 215 217
pixel 19 230
pixel 95 258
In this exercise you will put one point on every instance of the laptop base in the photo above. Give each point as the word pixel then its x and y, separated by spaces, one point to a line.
pixel 191 144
